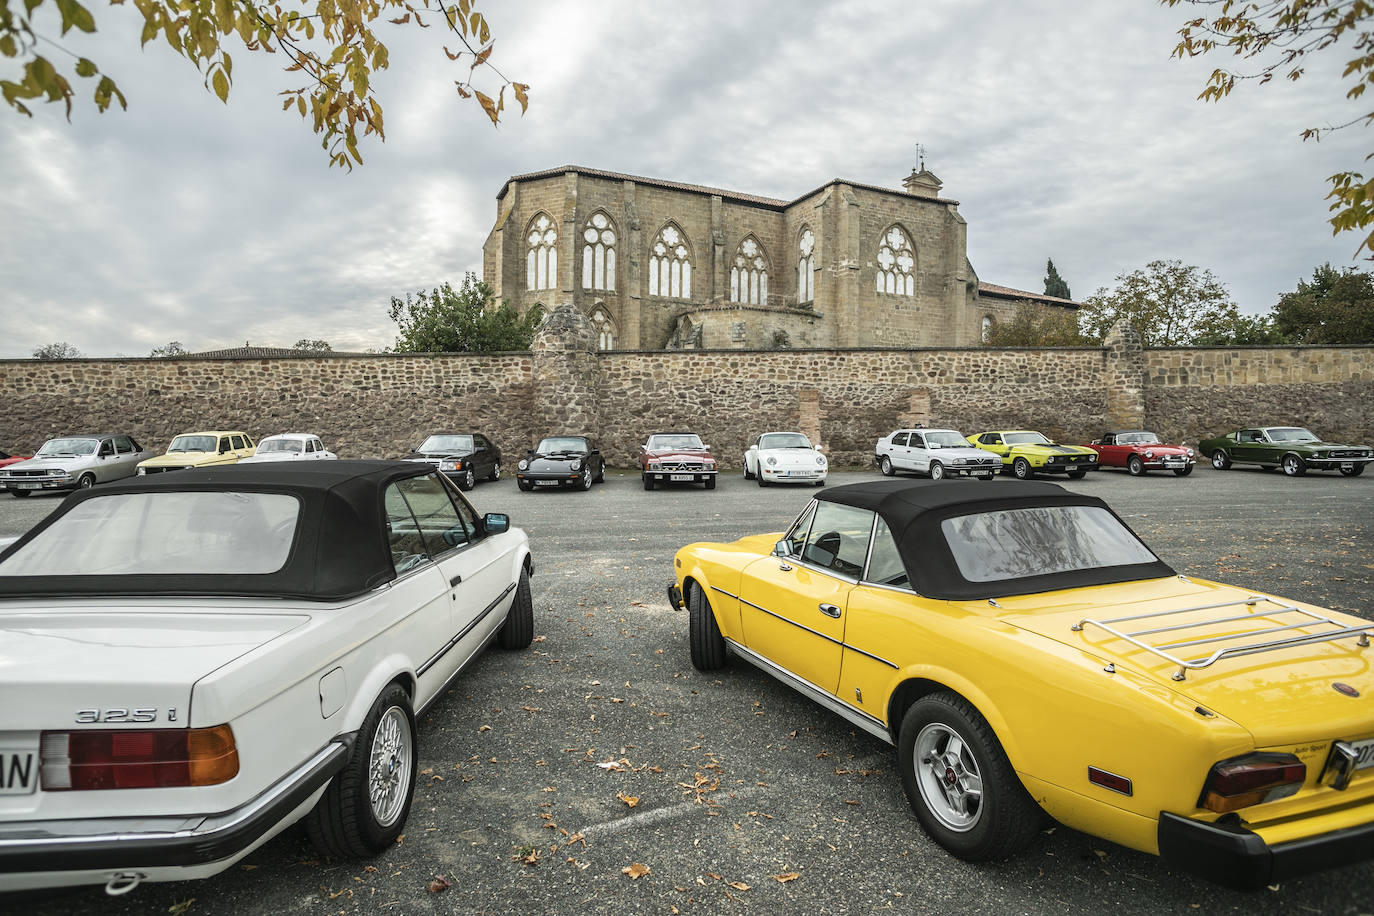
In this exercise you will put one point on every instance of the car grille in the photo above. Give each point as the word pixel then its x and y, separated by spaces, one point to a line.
pixel 1348 453
pixel 681 465
pixel 158 470
pixel 39 473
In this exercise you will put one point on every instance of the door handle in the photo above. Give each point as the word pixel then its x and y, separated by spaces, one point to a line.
pixel 455 580
pixel 829 610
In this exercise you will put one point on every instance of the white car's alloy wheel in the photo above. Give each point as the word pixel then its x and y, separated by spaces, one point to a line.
pixel 389 768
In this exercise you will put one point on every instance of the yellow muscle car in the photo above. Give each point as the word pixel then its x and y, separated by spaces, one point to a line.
pixel 1026 654
pixel 1027 453
pixel 200 450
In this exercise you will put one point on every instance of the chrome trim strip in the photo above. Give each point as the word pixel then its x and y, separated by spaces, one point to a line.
pixel 793 622
pixel 876 658
pixel 725 593
pixel 868 723
pixel 434 659
pixel 454 676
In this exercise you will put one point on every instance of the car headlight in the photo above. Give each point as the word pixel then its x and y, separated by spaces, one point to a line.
pixel 142 471
pixel 709 465
pixel 522 464
pixel 655 466
pixel 577 465
pixel 1190 452
pixel 959 462
pixel 448 465
pixel 1149 453
pixel 772 460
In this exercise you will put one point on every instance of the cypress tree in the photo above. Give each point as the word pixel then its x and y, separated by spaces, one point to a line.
pixel 1054 284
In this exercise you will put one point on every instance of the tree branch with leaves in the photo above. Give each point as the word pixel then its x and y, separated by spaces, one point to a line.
pixel 334 45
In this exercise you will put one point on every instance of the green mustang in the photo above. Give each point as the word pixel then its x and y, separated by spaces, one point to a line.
pixel 1291 447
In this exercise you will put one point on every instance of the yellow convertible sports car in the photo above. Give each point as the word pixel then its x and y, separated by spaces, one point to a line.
pixel 1026 453
pixel 1026 652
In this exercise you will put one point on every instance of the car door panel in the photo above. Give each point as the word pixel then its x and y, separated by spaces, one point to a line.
pixel 781 618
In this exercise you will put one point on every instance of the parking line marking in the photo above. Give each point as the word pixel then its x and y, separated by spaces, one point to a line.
pixel 658 815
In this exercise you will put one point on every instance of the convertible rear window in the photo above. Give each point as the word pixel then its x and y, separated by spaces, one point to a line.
pixel 1018 543
pixel 165 533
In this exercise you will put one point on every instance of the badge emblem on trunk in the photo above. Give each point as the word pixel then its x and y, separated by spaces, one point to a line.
pixel 1345 689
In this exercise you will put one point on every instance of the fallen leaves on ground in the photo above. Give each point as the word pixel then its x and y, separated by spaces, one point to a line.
pixel 787 876
pixel 181 906
pixel 438 884
pixel 629 800
pixel 636 870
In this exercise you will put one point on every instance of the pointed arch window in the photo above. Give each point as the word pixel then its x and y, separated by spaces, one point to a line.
pixel 749 274
pixel 670 264
pixel 598 253
pixel 806 267
pixel 541 260
pixel 537 313
pixel 987 327
pixel 605 330
pixel 896 264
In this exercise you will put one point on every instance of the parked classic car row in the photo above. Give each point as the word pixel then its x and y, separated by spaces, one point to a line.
pixel 1292 448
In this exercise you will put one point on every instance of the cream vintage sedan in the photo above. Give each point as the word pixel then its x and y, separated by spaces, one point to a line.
pixel 208 658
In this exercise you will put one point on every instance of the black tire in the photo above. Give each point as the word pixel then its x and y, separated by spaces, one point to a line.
pixel 524 484
pixel 86 481
pixel 585 481
pixel 1183 471
pixel 601 473
pixel 937 471
pixel 711 482
pixel 495 471
pixel 20 494
pixel 468 480
pixel 518 630
pixel 748 474
pixel 344 821
pixel 761 480
pixel 1293 466
pixel 885 465
pixel 1022 469
pixel 1135 466
pixel 1005 818
pixel 1220 460
pixel 648 481
pixel 703 633
pixel 1354 471
pixel 1077 473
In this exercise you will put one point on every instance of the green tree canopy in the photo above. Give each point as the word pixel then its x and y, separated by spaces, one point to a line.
pixel 1275 37
pixel 334 47
pixel 1248 330
pixel 466 321
pixel 62 350
pixel 1054 284
pixel 312 346
pixel 1336 307
pixel 172 348
pixel 1038 326
pixel 1171 304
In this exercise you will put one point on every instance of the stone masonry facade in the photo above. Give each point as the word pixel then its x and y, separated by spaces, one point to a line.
pixel 663 265
pixel 382 405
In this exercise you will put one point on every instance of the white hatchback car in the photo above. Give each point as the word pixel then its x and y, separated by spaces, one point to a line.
pixel 784 458
pixel 207 658
pixel 937 453
pixel 290 447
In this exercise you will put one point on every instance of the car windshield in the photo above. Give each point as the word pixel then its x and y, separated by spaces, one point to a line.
pixel 675 440
pixel 447 444
pixel 555 444
pixel 1025 439
pixel 784 440
pixel 1141 438
pixel 55 447
pixel 1018 543
pixel 947 438
pixel 130 534
pixel 192 444
pixel 290 446
pixel 1291 434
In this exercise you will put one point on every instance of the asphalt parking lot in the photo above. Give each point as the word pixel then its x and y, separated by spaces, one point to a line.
pixel 546 773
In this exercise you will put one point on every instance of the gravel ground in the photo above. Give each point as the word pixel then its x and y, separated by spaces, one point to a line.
pixel 745 795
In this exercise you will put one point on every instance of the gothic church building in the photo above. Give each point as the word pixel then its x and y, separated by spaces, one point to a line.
pixel 664 265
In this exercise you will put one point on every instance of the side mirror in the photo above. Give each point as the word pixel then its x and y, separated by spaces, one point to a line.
pixel 780 549
pixel 820 448
pixel 224 449
pixel 495 523
pixel 415 451
pixel 706 448
pixel 1096 442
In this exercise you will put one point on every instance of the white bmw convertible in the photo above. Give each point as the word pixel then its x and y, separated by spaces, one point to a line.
pixel 207 658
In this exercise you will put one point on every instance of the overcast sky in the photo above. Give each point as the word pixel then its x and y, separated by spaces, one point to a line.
pixel 1063 128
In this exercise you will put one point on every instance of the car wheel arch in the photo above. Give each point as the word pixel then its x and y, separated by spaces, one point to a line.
pixel 388 670
pixel 916 685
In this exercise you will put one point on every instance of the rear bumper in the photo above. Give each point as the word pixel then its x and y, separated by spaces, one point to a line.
pixel 122 843
pixel 1234 856
pixel 675 597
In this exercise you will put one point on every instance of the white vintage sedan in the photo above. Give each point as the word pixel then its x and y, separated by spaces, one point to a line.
pixel 784 458
pixel 937 453
pixel 207 658
pixel 290 447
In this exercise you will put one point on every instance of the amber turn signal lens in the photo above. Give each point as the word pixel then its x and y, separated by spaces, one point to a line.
pixel 212 756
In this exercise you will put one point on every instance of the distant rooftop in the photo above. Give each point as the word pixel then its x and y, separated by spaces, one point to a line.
pixel 247 352
pixel 1006 292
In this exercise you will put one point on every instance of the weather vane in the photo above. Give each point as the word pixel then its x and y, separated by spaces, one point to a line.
pixel 921 155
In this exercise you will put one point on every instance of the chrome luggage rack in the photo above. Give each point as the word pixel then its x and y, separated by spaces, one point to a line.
pixel 1278 617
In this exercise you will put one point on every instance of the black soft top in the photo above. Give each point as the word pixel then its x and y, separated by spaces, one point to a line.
pixel 340 549
pixel 914 509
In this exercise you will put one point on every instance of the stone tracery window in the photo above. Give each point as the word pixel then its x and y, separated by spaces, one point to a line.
pixel 605 329
pixel 537 313
pixel 806 267
pixel 749 275
pixel 670 264
pixel 987 328
pixel 896 264
pixel 598 253
pixel 541 261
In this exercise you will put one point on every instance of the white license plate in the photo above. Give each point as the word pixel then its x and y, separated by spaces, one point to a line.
pixel 1348 466
pixel 684 477
pixel 1175 463
pixel 27 486
pixel 1364 753
pixel 18 771
pixel 987 474
pixel 546 483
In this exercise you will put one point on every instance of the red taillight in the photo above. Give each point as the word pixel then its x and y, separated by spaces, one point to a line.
pixel 1245 781
pixel 138 759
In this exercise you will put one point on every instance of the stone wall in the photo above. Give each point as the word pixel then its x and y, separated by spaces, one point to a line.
pixel 382 405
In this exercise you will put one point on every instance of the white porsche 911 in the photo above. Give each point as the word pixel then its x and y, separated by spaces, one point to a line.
pixel 784 458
